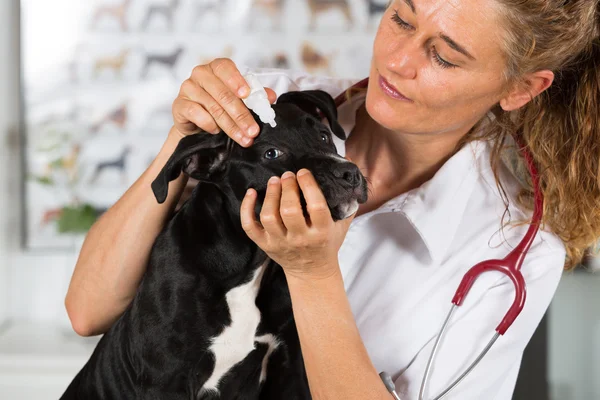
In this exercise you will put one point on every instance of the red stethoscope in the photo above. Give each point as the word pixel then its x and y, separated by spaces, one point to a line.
pixel 509 266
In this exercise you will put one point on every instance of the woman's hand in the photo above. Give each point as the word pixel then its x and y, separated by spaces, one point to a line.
pixel 304 247
pixel 210 100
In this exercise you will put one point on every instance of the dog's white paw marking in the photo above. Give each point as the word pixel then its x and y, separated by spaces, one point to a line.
pixel 273 343
pixel 237 340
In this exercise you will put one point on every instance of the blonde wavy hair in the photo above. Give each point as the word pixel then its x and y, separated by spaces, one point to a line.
pixel 560 126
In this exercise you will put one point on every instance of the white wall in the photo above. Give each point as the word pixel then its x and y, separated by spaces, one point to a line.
pixel 574 338
pixel 32 286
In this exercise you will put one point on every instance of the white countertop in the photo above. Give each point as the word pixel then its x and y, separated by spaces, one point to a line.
pixel 39 360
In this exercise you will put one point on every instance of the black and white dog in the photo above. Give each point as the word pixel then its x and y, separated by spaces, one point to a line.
pixel 212 318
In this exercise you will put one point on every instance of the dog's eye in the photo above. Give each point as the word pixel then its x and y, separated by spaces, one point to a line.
pixel 325 137
pixel 272 154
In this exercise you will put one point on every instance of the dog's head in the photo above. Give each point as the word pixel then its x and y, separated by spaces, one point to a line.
pixel 300 140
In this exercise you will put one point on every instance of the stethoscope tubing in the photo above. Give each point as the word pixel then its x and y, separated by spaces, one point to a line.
pixel 434 353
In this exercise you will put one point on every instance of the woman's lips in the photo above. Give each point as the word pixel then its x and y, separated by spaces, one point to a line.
pixel 390 90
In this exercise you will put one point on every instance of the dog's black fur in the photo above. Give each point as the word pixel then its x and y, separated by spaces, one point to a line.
pixel 160 347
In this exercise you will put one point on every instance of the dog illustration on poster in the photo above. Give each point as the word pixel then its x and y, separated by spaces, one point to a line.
pixel 168 60
pixel 166 11
pixel 117 11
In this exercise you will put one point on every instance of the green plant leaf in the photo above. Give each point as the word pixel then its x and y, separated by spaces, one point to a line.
pixel 78 219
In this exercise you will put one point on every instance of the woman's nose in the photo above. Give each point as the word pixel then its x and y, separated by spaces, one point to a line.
pixel 405 58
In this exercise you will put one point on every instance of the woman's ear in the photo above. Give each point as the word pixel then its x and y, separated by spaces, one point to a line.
pixel 200 156
pixel 523 92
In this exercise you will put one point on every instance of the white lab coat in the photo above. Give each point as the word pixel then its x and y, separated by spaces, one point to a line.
pixel 402 263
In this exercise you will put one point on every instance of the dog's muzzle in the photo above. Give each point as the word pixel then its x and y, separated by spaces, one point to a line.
pixel 342 184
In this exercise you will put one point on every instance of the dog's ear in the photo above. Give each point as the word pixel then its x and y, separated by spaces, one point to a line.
pixel 313 102
pixel 200 156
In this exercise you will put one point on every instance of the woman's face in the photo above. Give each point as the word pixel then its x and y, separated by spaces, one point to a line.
pixel 444 56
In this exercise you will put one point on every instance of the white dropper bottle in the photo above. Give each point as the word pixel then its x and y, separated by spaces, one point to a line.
pixel 258 101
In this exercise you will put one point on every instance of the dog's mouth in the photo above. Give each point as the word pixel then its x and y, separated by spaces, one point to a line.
pixel 343 185
pixel 344 201
pixel 347 209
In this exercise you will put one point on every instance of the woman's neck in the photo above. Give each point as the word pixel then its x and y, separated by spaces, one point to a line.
pixel 394 162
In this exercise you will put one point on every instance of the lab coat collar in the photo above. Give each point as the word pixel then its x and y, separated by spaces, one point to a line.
pixel 436 208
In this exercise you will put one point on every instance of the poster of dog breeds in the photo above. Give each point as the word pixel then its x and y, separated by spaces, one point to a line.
pixel 100 76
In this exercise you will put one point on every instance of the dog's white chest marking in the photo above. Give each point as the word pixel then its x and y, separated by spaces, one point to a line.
pixel 237 340
pixel 272 342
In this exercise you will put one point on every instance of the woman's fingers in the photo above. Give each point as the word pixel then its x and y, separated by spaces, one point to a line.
pixel 229 111
pixel 226 70
pixel 251 226
pixel 190 117
pixel 219 114
pixel 211 100
pixel 291 209
pixel 228 90
pixel 316 204
pixel 270 216
pixel 301 249
pixel 271 95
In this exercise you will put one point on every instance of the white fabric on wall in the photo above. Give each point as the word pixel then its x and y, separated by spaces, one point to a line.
pixel 32 285
pixel 8 120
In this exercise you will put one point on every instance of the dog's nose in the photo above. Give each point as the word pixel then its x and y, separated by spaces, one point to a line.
pixel 348 172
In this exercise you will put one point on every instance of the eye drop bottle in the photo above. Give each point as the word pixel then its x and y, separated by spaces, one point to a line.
pixel 258 101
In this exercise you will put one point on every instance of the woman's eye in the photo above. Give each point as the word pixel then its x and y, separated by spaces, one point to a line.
pixel 396 18
pixel 434 54
pixel 325 138
pixel 272 154
pixel 439 60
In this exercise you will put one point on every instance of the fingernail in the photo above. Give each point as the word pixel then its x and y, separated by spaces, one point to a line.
pixel 302 172
pixel 273 180
pixel 243 91
pixel 253 130
pixel 250 192
pixel 216 131
pixel 287 174
pixel 246 141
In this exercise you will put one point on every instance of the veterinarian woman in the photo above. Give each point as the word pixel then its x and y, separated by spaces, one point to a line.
pixel 451 84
